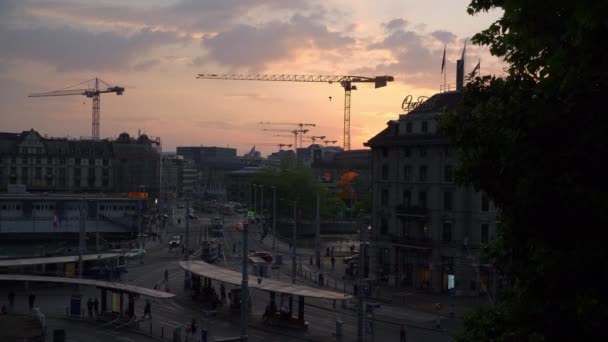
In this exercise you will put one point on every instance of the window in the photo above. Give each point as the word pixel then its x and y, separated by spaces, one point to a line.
pixel 407 198
pixel 425 126
pixel 448 151
pixel 448 175
pixel 407 173
pixel 422 174
pixel 383 225
pixel 485 232
pixel 77 161
pixel 61 161
pixel 447 200
pixel 485 203
pixel 385 172
pixel 384 152
pixel 91 161
pixel 384 198
pixel 407 152
pixel 446 235
pixel 38 172
pixel 408 127
pixel 423 151
pixel 422 199
pixel 105 162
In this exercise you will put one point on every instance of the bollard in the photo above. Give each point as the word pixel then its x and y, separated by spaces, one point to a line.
pixel 162 332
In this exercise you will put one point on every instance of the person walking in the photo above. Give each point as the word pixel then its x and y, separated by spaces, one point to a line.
pixel 90 307
pixel 96 307
pixel 11 300
pixel 31 300
pixel 333 263
pixel 166 275
pixel 147 309
pixel 223 292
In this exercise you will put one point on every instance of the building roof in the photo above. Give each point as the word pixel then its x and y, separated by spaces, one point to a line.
pixel 228 276
pixel 119 287
pixel 55 260
pixel 433 106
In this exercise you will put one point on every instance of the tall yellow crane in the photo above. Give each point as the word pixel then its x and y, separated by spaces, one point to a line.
pixel 345 81
pixel 92 91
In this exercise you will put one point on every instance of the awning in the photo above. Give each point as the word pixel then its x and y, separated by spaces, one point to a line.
pixel 231 277
pixel 119 287
pixel 56 260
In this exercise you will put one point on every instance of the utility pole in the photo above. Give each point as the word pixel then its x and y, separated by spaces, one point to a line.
pixel 187 240
pixel 244 286
pixel 139 223
pixel 318 235
pixel 81 237
pixel 274 217
pixel 360 273
pixel 293 243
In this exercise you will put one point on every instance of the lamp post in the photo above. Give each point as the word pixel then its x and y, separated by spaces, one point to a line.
pixel 255 200
pixel 293 242
pixel 274 217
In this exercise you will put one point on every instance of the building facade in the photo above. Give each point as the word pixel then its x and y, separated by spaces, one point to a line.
pixel 58 164
pixel 425 227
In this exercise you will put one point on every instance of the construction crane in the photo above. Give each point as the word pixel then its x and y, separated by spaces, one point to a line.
pixel 284 145
pixel 330 142
pixel 315 138
pixel 295 133
pixel 299 124
pixel 90 92
pixel 345 81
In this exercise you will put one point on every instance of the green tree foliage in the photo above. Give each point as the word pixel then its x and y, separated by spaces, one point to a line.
pixel 300 185
pixel 534 141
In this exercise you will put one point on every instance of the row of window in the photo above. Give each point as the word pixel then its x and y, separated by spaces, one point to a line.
pixel 448 200
pixel 49 171
pixel 447 232
pixel 421 151
pixel 448 173
pixel 51 207
pixel 60 161
pixel 424 126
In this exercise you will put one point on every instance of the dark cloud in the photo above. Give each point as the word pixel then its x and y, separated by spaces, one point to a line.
pixel 186 14
pixel 68 49
pixel 255 46
pixel 395 24
pixel 444 36
pixel 146 65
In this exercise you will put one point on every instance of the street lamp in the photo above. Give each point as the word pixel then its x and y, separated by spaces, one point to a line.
pixel 274 217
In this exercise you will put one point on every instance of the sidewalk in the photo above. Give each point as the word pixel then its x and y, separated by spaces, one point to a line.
pixel 335 278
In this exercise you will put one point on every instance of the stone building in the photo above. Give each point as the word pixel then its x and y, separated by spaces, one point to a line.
pixel 44 164
pixel 424 226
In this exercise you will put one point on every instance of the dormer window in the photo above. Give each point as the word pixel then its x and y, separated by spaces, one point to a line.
pixel 408 127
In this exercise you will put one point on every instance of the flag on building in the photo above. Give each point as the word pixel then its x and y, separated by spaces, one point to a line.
pixel 477 67
pixel 443 60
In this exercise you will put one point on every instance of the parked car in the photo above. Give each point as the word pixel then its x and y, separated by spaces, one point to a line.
pixel 175 241
pixel 264 255
pixel 350 258
pixel 135 253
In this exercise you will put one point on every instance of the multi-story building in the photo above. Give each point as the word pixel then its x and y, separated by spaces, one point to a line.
pixel 68 165
pixel 425 227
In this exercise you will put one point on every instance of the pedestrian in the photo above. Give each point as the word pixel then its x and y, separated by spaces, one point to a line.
pixel 333 263
pixel 193 326
pixel 147 309
pixel 223 292
pixel 166 275
pixel 32 299
pixel 403 334
pixel 96 307
pixel 11 300
pixel 4 310
pixel 90 307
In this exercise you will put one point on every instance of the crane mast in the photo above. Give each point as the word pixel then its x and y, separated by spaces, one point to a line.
pixel 346 81
pixel 90 92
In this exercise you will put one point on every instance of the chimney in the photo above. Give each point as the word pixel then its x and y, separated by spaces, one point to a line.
pixel 459 74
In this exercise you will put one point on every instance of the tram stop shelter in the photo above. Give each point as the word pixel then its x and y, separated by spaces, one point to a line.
pixel 273 286
pixel 117 290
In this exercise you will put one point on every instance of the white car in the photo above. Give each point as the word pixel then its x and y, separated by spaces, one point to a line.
pixel 135 253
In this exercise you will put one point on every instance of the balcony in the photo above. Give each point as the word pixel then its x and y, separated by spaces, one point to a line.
pixel 411 211
pixel 412 241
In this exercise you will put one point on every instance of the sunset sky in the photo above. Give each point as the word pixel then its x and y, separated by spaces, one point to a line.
pixel 155 49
